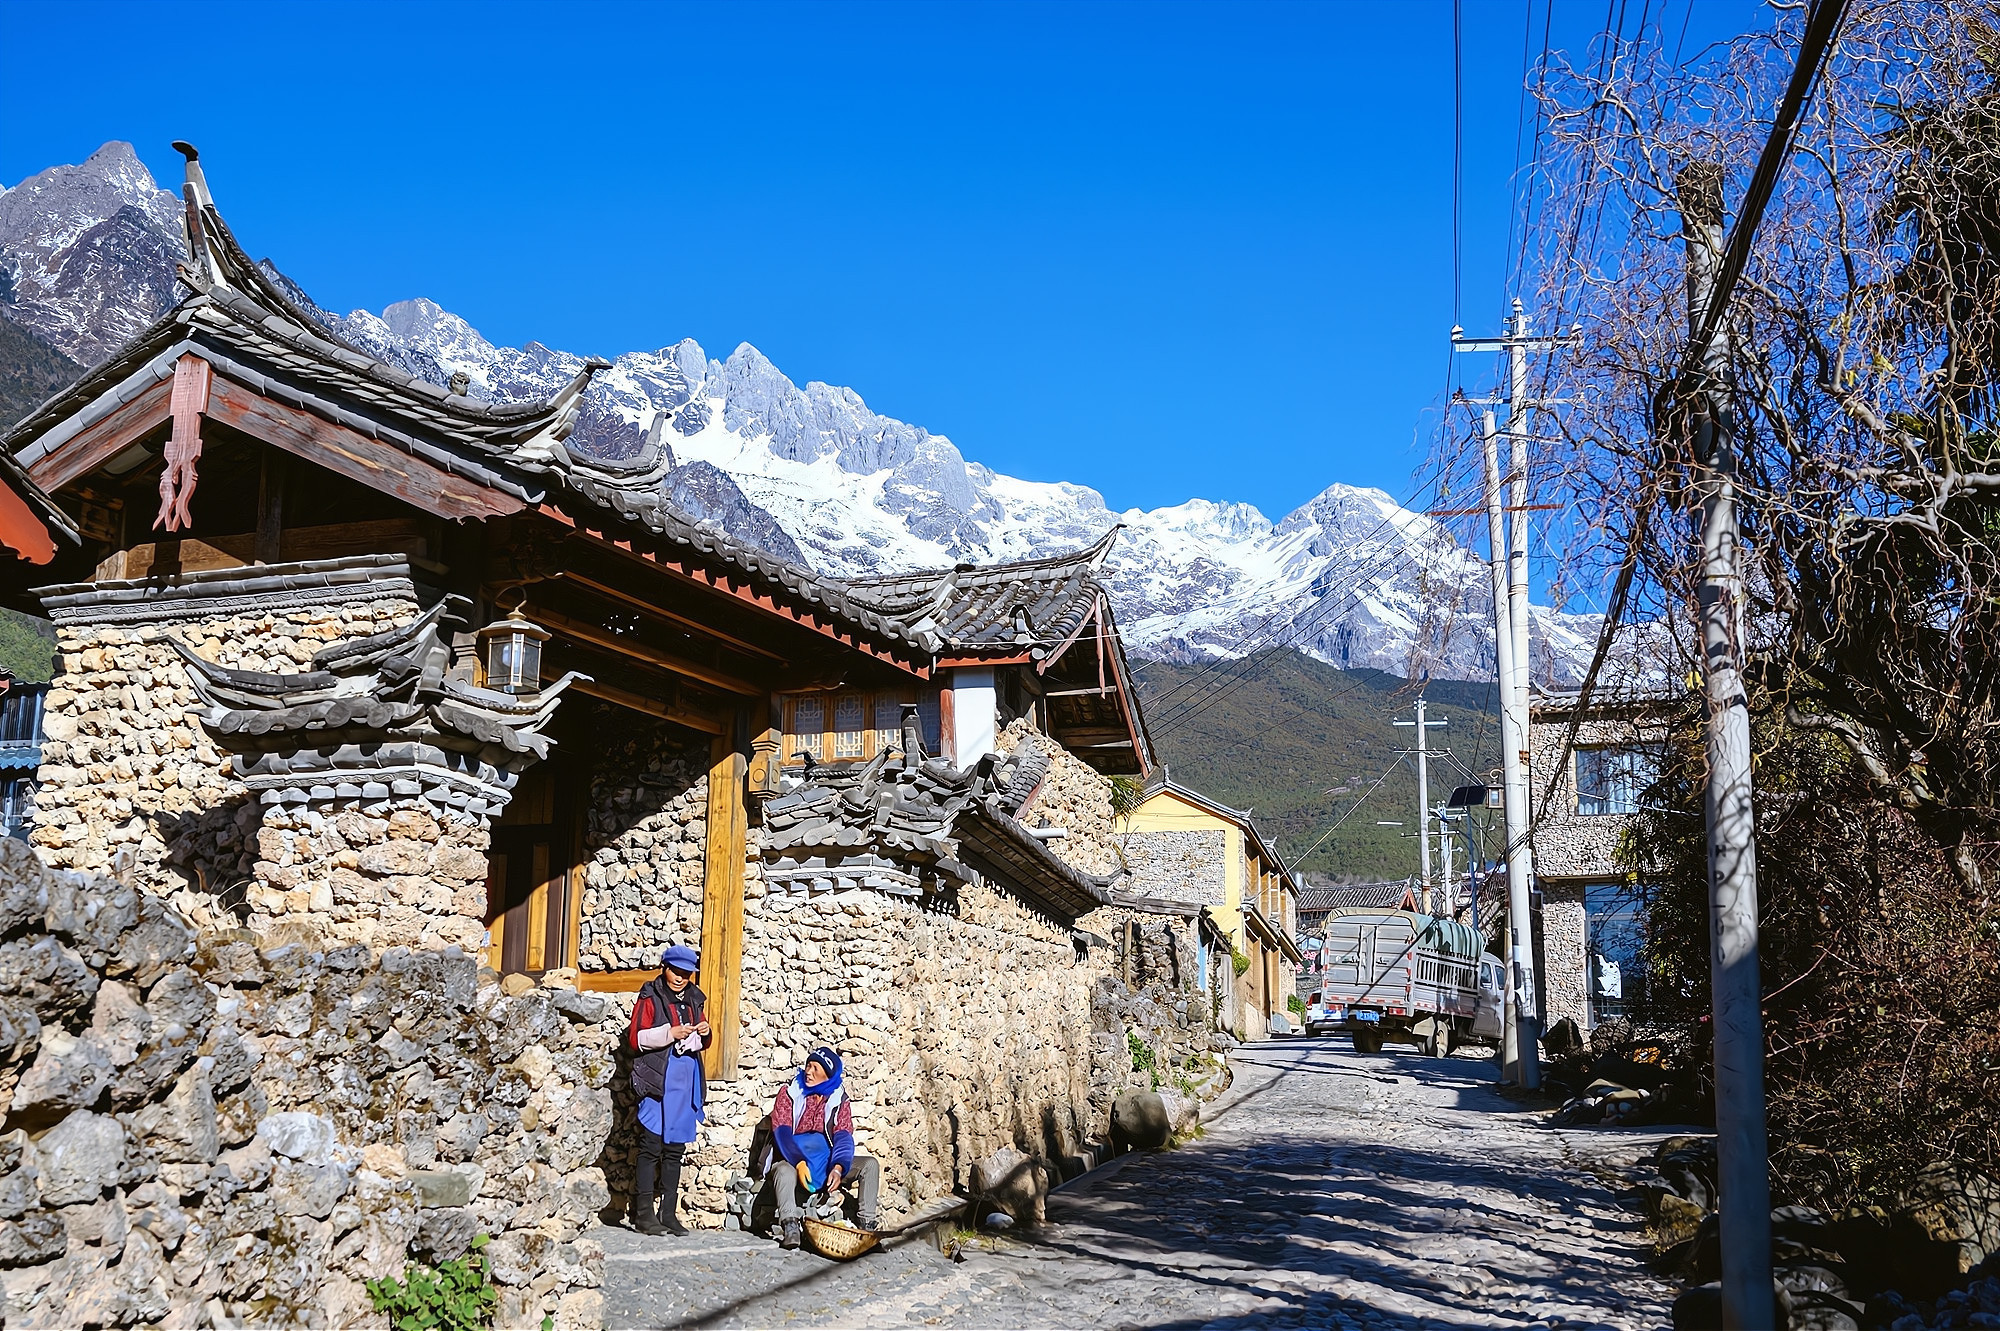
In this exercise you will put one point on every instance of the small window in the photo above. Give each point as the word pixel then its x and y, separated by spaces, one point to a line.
pixel 888 722
pixel 808 727
pixel 1613 779
pixel 847 727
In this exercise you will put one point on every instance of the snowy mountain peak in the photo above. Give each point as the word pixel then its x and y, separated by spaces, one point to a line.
pixel 87 256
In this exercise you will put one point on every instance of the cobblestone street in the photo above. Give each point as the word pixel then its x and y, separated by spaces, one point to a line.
pixel 1330 1190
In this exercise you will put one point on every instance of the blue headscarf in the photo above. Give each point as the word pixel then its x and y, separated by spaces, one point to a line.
pixel 827 1059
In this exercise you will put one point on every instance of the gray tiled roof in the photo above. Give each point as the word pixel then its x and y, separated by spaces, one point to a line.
pixel 1354 895
pixel 935 814
pixel 1029 603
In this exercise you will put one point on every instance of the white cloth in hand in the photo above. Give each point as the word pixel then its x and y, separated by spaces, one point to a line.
pixel 690 1043
pixel 655 1037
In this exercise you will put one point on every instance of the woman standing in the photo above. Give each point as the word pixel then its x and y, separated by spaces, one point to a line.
pixel 669 1031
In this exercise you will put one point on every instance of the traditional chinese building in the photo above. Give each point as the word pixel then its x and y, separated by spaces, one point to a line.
pixel 349 656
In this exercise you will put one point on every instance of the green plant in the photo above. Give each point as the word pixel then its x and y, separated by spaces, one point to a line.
pixel 1296 1004
pixel 1143 1058
pixel 457 1295
pixel 1238 961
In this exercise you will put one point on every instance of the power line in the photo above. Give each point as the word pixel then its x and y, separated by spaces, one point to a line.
pixel 1301 859
pixel 1291 633
pixel 1458 155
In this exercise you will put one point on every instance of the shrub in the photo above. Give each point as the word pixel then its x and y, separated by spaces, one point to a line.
pixel 457 1295
pixel 1239 961
pixel 1296 1004
pixel 1143 1059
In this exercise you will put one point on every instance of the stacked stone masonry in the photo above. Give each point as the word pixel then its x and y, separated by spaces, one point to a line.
pixel 206 1128
pixel 1180 865
pixel 648 821
pixel 1073 797
pixel 130 782
pixel 969 1022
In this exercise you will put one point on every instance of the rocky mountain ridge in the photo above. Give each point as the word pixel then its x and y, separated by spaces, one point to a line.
pixel 1351 578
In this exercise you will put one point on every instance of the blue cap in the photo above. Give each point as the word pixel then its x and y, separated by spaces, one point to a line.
pixel 682 958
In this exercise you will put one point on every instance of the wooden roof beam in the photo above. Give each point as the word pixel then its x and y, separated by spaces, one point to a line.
pixel 683 716
pixel 606 640
pixel 95 445
pixel 739 592
pixel 644 606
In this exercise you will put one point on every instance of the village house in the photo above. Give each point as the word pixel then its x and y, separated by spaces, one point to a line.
pixel 1590 923
pixel 351 660
pixel 1180 845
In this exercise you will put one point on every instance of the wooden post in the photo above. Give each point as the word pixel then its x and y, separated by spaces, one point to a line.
pixel 767 753
pixel 722 907
pixel 271 507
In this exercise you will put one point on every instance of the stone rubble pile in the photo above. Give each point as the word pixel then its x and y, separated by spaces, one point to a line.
pixel 1905 1268
pixel 206 1129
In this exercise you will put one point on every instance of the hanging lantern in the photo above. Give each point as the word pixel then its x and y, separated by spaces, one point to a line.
pixel 513 649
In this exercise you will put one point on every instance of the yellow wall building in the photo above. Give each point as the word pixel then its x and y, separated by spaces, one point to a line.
pixel 1181 845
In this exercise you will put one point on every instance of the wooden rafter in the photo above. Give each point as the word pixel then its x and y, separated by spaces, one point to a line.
pixel 734 588
pixel 377 465
pixel 606 640
pixel 666 711
pixel 96 444
pixel 643 606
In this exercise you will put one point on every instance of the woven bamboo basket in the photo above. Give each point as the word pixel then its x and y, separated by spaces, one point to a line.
pixel 841 1244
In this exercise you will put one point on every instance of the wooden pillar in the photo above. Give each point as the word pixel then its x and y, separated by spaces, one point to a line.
pixel 722 907
pixel 767 754
pixel 271 507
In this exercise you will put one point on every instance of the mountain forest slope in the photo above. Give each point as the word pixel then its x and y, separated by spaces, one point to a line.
pixel 1284 731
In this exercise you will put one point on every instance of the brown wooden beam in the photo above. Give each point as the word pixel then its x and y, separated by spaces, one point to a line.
pixel 680 716
pixel 1105 692
pixel 722 910
pixel 608 641
pixel 377 465
pixel 645 606
pixel 736 590
pixel 94 445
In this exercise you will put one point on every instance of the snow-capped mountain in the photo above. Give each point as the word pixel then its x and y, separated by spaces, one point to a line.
pixel 86 261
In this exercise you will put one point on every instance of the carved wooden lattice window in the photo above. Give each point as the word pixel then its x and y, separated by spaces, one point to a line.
pixel 807 730
pixel 854 727
pixel 848 738
pixel 888 721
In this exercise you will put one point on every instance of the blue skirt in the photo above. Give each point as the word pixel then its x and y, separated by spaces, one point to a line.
pixel 677 1113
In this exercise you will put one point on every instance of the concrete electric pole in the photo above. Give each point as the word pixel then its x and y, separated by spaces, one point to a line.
pixel 1423 753
pixel 1520 1055
pixel 1742 1177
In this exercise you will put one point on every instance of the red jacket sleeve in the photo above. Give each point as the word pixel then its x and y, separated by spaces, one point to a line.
pixel 642 1019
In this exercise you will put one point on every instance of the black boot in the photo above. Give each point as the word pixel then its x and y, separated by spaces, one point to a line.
pixel 641 1214
pixel 670 1190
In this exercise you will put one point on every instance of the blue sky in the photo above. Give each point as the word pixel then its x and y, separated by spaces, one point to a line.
pixel 1162 250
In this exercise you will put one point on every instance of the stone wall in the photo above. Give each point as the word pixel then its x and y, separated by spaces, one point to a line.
pixel 964 1027
pixel 1073 796
pixel 203 1130
pixel 128 779
pixel 1564 962
pixel 1178 865
pixel 380 873
pixel 644 855
pixel 1568 844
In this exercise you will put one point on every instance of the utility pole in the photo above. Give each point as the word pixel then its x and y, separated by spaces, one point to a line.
pixel 1513 753
pixel 1520 1055
pixel 1423 751
pixel 1742 1176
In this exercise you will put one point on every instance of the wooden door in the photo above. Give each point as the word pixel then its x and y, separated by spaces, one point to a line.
pixel 531 875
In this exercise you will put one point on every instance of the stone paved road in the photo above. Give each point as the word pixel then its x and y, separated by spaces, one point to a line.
pixel 1331 1190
